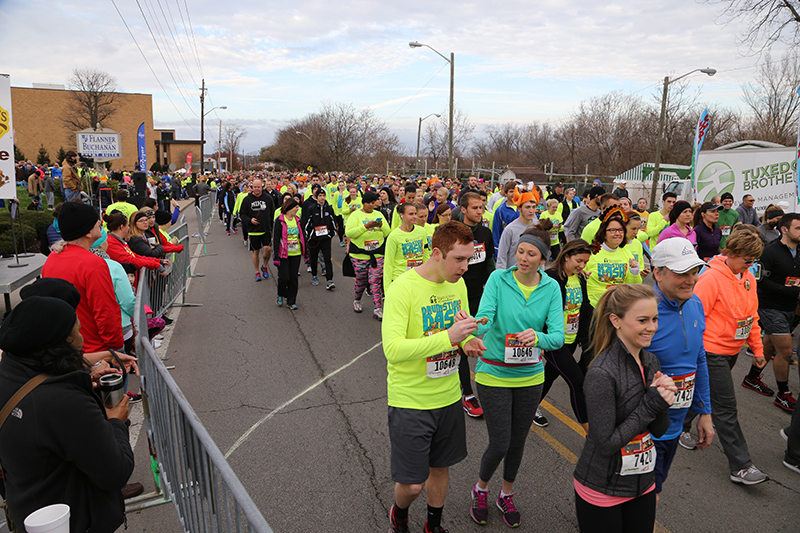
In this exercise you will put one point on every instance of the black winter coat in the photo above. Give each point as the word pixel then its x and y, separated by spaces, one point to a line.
pixel 59 447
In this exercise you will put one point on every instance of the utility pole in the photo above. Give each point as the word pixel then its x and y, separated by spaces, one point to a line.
pixel 202 131
pixel 219 146
pixel 450 143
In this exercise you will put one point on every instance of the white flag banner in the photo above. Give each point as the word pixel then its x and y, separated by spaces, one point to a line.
pixel 8 187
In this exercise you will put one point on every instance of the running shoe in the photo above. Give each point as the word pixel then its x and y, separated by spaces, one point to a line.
pixel 785 434
pixel 229 233
pixel 330 285
pixel 480 509
pixel 133 397
pixel 749 476
pixel 539 419
pixel 687 441
pixel 377 314
pixel 308 268
pixel 258 277
pixel 757 385
pixel 235 231
pixel 785 401
pixel 264 272
pixel 794 467
pixel 341 243
pixel 510 513
pixel 357 306
pixel 437 529
pixel 395 527
pixel 472 407
pixel 279 301
pixel 315 281
pixel 293 307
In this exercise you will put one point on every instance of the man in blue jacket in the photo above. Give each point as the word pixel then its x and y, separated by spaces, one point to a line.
pixel 680 316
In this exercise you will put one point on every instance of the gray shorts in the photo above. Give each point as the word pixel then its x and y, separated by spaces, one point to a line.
pixel 774 322
pixel 425 439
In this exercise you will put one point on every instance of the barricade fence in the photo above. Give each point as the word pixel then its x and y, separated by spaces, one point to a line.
pixel 188 467
pixel 165 289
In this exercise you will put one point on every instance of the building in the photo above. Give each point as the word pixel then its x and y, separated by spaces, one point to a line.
pixel 172 151
pixel 37 122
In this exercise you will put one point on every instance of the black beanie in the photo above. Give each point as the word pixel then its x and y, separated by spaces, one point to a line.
pixel 677 209
pixel 76 220
pixel 369 197
pixel 163 217
pixel 53 288
pixel 36 323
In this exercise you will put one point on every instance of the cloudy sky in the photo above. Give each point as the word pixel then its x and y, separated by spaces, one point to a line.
pixel 270 62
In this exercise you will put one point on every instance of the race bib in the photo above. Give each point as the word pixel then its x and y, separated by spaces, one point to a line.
pixel 411 263
pixel 791 282
pixel 517 353
pixel 743 328
pixel 685 384
pixel 638 456
pixel 726 230
pixel 371 246
pixel 321 231
pixel 444 364
pixel 478 254
pixel 293 245
pixel 573 321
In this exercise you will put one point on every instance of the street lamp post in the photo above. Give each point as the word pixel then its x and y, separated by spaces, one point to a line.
pixel 203 114
pixel 661 120
pixel 452 61
pixel 419 134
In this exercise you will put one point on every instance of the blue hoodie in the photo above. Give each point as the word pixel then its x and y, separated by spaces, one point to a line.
pixel 686 323
pixel 543 311
pixel 503 216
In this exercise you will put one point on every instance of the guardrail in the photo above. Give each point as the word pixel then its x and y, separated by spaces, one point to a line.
pixel 188 467
pixel 165 290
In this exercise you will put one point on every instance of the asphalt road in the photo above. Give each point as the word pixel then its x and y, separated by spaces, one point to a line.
pixel 315 451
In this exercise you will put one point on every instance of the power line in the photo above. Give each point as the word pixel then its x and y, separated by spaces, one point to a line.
pixel 163 58
pixel 175 38
pixel 415 95
pixel 196 54
pixel 150 66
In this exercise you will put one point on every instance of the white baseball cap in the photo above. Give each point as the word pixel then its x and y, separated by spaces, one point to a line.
pixel 676 254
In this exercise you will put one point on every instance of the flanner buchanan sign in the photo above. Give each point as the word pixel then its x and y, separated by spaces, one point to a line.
pixel 100 145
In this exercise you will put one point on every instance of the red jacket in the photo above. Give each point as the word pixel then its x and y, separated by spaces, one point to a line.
pixel 168 246
pixel 120 252
pixel 98 311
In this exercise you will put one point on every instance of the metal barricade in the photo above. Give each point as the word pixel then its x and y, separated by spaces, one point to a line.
pixel 165 290
pixel 188 466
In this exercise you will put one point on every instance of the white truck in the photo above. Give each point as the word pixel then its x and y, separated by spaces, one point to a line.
pixel 769 174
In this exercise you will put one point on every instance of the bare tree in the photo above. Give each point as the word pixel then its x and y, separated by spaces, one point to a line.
pixel 773 100
pixel 339 137
pixel 768 21
pixel 232 136
pixel 437 135
pixel 92 100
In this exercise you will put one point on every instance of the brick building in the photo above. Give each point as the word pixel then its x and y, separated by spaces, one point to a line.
pixel 170 150
pixel 37 121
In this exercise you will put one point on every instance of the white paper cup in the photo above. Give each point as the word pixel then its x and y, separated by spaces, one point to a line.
pixel 50 519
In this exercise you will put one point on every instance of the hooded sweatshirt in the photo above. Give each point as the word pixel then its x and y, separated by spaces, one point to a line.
pixel 542 311
pixel 731 308
pixel 507 247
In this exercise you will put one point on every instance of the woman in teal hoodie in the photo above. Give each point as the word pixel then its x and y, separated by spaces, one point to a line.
pixel 510 373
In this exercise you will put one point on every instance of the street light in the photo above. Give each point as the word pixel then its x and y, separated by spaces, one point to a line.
pixel 419 132
pixel 667 81
pixel 452 61
pixel 303 133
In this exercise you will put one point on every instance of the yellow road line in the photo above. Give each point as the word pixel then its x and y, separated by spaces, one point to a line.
pixel 577 428
pixel 555 444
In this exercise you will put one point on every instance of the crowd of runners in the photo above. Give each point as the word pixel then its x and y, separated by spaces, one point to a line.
pixel 643 314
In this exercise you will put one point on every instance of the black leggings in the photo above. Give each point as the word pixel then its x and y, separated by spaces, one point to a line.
pixel 509 415
pixel 635 516
pixel 562 363
pixel 324 246
pixel 463 366
pixel 287 278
